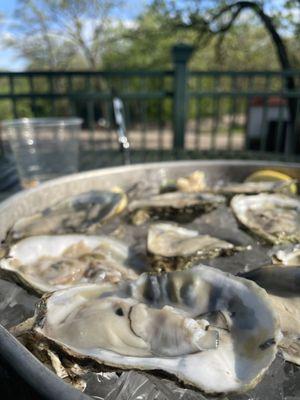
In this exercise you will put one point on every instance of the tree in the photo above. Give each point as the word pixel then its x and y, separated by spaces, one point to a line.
pixel 218 20
pixel 57 33
pixel 245 46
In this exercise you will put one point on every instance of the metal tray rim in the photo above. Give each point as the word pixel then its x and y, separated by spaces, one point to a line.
pixel 146 166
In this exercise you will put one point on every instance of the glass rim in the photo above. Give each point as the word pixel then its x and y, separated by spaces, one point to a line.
pixel 49 121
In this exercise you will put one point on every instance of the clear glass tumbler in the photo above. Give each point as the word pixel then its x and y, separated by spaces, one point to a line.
pixel 44 148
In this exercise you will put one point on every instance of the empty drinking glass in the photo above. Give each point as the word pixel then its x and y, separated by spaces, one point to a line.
pixel 44 148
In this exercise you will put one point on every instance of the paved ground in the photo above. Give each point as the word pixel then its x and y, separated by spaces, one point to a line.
pixel 153 139
pixel 210 134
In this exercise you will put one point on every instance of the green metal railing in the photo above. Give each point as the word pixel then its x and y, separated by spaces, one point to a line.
pixel 246 110
pixel 223 111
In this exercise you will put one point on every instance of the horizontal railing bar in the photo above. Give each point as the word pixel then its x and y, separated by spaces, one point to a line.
pixel 88 95
pixel 244 93
pixel 147 95
pixel 131 73
pixel 245 73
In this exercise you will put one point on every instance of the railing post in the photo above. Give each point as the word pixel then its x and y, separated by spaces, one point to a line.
pixel 181 54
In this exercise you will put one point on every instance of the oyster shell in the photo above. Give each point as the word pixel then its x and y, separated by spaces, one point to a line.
pixel 178 206
pixel 208 329
pixel 289 255
pixel 274 217
pixel 48 263
pixel 196 182
pixel 283 288
pixel 79 214
pixel 174 247
pixel 233 188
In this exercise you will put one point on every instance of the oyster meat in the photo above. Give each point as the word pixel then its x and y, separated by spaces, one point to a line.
pixel 283 288
pixel 78 214
pixel 274 217
pixel 207 328
pixel 195 182
pixel 48 263
pixel 178 206
pixel 174 247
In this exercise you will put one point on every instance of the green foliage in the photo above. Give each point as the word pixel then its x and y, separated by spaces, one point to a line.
pixel 246 45
pixel 81 34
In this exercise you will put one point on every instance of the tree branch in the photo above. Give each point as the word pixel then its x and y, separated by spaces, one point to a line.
pixel 227 26
pixel 268 23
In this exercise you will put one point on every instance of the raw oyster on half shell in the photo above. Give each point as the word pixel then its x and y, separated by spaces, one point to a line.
pixel 177 206
pixel 232 188
pixel 173 247
pixel 47 263
pixel 209 329
pixel 283 287
pixel 196 182
pixel 76 214
pixel 274 217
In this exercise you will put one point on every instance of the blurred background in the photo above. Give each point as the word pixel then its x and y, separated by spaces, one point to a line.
pixel 211 77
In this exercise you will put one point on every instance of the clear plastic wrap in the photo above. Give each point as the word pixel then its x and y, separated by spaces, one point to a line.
pixel 133 385
pixel 281 382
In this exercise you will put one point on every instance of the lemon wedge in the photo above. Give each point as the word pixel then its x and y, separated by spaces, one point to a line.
pixel 269 175
pixel 123 202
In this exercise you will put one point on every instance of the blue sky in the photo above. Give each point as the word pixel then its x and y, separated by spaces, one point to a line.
pixel 7 6
pixel 9 60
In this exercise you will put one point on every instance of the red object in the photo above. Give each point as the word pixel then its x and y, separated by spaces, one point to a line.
pixel 272 101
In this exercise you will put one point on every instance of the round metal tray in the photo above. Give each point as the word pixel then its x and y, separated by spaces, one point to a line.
pixel 25 203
